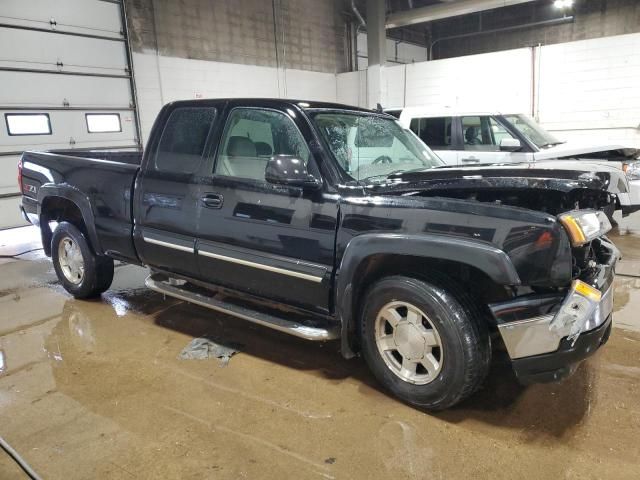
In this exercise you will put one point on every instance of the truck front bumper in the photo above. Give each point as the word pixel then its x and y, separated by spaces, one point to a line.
pixel 554 366
pixel 539 352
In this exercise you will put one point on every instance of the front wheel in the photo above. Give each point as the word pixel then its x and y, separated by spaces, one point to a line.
pixel 81 272
pixel 425 343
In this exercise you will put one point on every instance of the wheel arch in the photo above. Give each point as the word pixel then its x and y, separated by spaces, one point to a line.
pixel 66 203
pixel 370 257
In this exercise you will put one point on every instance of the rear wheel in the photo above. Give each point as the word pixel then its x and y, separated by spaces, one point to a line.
pixel 425 343
pixel 80 271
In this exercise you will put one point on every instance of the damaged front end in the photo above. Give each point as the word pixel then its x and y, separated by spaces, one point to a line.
pixel 548 334
pixel 560 311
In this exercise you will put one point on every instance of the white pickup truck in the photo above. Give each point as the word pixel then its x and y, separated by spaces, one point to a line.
pixel 468 138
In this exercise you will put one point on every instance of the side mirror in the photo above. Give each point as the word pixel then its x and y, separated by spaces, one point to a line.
pixel 510 145
pixel 291 171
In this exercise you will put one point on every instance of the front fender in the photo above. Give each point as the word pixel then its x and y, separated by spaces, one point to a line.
pixel 483 256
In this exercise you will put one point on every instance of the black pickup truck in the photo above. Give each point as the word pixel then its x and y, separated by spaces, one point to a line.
pixel 332 222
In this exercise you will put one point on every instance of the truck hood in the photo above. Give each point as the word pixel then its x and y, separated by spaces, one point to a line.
pixel 595 151
pixel 561 175
pixel 550 187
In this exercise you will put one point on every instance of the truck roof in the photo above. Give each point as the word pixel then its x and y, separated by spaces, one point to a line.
pixel 305 104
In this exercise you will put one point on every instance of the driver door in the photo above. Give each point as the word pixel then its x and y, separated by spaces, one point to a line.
pixel 271 241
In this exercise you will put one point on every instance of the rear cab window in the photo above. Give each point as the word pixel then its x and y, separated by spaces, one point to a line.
pixel 183 139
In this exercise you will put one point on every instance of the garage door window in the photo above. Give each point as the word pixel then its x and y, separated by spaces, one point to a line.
pixel 28 123
pixel 183 139
pixel 103 122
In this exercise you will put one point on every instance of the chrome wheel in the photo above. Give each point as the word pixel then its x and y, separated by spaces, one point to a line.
pixel 71 260
pixel 408 343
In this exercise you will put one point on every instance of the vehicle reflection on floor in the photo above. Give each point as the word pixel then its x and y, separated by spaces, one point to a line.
pixel 95 389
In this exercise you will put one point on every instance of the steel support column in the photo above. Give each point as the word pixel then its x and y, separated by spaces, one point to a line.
pixel 376 50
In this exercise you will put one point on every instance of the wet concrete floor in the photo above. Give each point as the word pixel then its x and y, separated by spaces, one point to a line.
pixel 94 389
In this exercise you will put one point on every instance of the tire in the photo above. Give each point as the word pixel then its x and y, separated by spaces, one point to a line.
pixel 81 272
pixel 450 321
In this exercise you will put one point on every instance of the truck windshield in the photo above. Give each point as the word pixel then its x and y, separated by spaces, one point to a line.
pixel 534 132
pixel 371 147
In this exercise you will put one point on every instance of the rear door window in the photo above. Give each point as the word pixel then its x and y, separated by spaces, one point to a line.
pixel 183 139
pixel 435 132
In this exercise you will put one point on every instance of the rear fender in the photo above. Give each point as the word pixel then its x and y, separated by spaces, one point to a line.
pixel 80 200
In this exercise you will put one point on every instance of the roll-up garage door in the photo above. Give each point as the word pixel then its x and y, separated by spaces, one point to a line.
pixel 65 82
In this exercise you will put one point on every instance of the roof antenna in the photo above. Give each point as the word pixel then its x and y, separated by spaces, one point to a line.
pixel 379 108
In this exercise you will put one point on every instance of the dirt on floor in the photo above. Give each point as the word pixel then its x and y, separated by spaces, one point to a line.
pixel 96 389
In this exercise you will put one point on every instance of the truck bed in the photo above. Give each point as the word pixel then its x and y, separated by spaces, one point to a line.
pixel 99 181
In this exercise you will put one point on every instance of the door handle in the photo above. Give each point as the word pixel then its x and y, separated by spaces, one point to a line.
pixel 471 160
pixel 212 200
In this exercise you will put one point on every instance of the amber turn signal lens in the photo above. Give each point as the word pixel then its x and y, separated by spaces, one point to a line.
pixel 576 235
pixel 587 290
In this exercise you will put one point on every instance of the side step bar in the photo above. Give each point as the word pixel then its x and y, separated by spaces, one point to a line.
pixel 162 284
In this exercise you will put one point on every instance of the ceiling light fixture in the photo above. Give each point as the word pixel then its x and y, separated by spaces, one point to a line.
pixel 563 3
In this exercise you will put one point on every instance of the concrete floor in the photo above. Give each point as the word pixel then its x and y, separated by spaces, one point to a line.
pixel 94 389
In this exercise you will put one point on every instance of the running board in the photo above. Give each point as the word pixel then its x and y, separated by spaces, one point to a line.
pixel 162 284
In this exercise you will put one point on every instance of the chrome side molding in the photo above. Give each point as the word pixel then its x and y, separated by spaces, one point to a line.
pixel 261 266
pixel 168 244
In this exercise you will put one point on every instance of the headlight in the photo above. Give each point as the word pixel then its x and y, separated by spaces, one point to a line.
pixel 632 170
pixel 584 225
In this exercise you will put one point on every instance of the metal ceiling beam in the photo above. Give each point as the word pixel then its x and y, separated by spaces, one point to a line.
pixel 445 10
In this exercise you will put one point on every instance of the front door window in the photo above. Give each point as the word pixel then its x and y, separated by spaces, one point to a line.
pixel 483 133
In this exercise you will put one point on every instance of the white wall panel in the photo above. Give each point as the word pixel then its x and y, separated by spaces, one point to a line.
pixel 352 88
pixel 393 86
pixel 590 90
pixel 161 79
pixel 307 85
pixel 493 81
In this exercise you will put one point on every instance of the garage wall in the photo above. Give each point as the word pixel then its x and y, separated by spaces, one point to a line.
pixel 205 48
pixel 397 51
pixel 64 59
pixel 298 34
pixel 591 89
pixel 581 90
pixel 162 79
